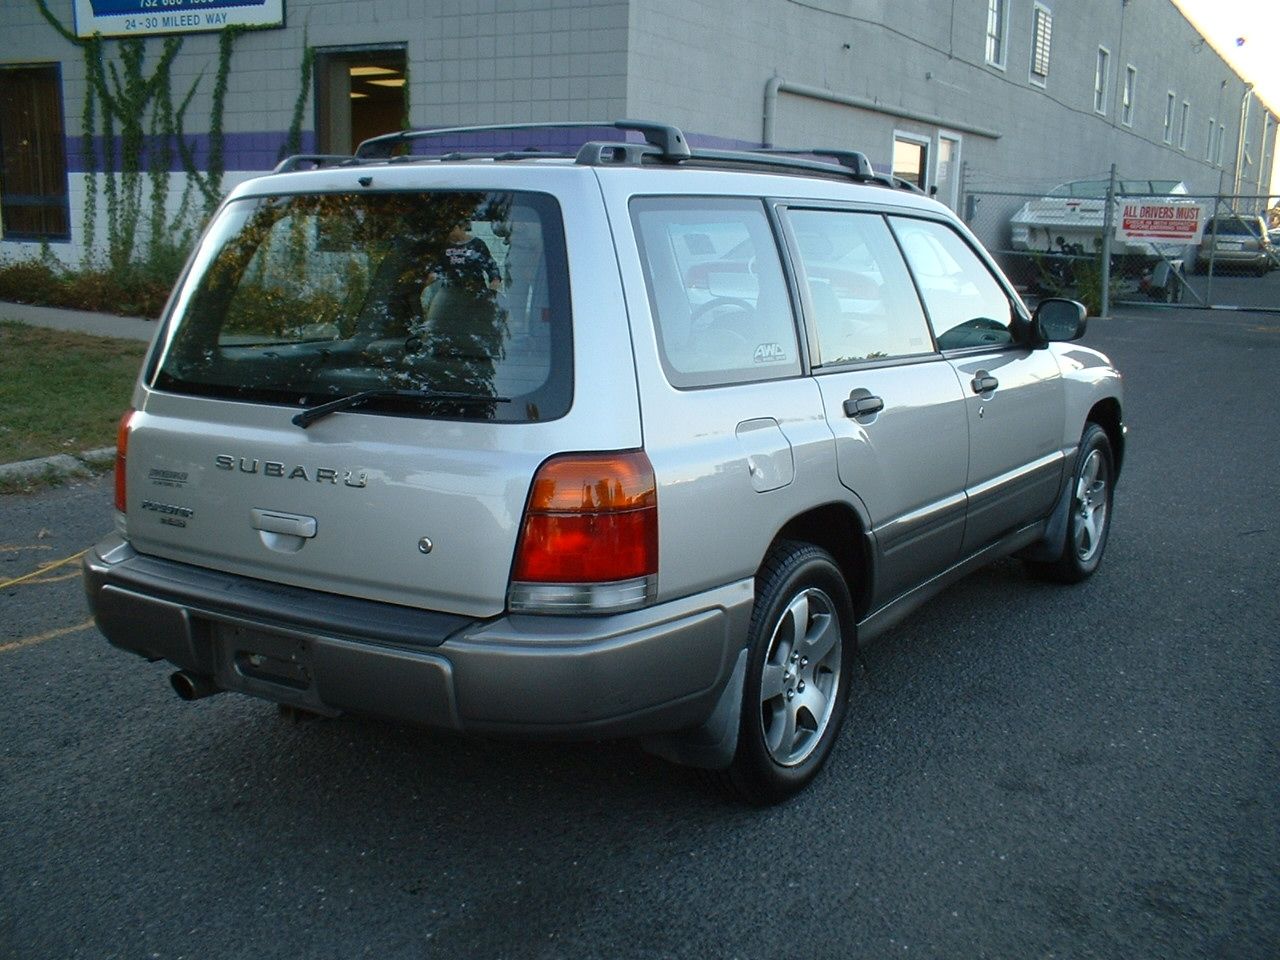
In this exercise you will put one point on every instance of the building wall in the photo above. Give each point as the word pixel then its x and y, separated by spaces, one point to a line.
pixel 705 64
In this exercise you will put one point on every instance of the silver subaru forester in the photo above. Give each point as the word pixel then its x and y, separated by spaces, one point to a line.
pixel 619 440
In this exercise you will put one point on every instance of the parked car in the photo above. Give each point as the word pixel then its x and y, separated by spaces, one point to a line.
pixel 634 441
pixel 1237 241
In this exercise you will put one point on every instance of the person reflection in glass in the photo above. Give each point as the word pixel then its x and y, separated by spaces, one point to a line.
pixel 465 330
pixel 466 263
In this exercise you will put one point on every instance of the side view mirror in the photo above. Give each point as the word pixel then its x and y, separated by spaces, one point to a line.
pixel 1057 320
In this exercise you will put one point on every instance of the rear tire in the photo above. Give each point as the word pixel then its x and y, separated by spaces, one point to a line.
pixel 1089 520
pixel 799 668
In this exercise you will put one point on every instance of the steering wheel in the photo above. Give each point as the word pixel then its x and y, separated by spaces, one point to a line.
pixel 716 303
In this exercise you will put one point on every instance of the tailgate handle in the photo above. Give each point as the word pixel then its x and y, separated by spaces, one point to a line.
pixel 293 524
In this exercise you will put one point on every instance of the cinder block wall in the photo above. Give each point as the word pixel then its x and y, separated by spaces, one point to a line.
pixel 704 65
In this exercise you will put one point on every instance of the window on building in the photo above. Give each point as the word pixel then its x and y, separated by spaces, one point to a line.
pixel 1185 127
pixel 997 31
pixel 1041 35
pixel 1208 143
pixel 1102 80
pixel 360 93
pixel 1168 117
pixel 1130 85
pixel 1217 150
pixel 33 159
pixel 911 159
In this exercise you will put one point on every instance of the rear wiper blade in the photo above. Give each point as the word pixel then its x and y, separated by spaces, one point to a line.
pixel 312 414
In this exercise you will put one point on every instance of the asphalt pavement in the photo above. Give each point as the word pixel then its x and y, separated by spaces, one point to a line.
pixel 1026 770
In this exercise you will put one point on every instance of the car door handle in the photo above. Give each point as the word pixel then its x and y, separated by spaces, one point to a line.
pixel 984 382
pixel 862 403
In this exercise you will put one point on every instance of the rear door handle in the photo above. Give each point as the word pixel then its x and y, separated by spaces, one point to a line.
pixel 862 403
pixel 984 382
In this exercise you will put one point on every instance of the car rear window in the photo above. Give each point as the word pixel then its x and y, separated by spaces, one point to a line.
pixel 1233 227
pixel 456 301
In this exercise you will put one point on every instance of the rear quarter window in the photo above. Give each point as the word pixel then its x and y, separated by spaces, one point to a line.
pixel 720 302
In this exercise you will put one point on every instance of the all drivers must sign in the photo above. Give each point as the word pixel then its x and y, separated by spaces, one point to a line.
pixel 1169 221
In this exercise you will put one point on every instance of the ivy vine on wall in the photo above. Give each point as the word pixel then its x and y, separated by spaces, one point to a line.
pixel 125 97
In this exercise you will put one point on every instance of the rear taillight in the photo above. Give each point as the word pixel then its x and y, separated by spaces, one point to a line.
pixel 122 456
pixel 589 542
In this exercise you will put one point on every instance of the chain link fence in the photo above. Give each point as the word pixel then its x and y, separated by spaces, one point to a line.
pixel 1064 241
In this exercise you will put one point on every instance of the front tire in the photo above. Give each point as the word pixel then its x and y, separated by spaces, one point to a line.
pixel 1089 521
pixel 799 668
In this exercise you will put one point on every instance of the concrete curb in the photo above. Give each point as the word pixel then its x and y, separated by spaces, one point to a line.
pixel 60 466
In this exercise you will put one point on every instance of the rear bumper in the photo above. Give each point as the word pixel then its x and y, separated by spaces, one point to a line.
pixel 1236 258
pixel 648 671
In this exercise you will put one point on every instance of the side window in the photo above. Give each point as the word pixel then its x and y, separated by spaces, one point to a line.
pixel 966 304
pixel 862 303
pixel 717 290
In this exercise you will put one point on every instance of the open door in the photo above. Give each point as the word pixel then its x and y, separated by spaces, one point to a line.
pixel 360 93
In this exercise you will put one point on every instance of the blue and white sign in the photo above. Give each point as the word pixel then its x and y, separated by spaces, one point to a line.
pixel 125 18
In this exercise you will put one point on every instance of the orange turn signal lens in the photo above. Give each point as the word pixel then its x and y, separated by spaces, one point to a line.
pixel 593 484
pixel 122 456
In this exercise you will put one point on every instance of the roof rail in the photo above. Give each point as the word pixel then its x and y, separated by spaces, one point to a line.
pixel 855 160
pixel 669 140
pixel 664 143
pixel 311 161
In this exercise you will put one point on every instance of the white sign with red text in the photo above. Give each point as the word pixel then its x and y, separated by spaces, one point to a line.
pixel 1160 219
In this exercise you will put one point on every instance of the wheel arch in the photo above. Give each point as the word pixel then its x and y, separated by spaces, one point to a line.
pixel 1106 414
pixel 838 529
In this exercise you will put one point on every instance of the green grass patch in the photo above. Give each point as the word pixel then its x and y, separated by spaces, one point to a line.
pixel 61 392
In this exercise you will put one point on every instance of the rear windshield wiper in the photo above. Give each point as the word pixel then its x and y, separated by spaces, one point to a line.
pixel 311 415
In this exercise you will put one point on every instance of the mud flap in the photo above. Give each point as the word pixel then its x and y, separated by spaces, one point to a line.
pixel 713 744
pixel 1050 547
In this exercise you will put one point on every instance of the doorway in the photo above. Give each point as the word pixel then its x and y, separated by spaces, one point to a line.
pixel 948 175
pixel 911 159
pixel 360 93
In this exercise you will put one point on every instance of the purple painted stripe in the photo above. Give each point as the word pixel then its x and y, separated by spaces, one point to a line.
pixel 241 151
pixel 261 151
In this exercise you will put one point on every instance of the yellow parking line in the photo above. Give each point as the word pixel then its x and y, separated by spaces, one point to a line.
pixel 47 567
pixel 57 579
pixel 6 548
pixel 42 637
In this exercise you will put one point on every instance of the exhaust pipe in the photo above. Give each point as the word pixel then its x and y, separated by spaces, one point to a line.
pixel 193 686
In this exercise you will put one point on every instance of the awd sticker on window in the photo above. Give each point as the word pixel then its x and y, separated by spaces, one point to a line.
pixel 770 353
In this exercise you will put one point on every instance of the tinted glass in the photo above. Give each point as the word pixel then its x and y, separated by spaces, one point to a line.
pixel 1232 226
pixel 966 304
pixel 863 305
pixel 299 300
pixel 716 289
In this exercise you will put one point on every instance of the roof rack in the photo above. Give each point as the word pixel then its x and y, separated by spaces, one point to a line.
pixel 663 143
pixel 668 140
pixel 311 161
pixel 855 160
